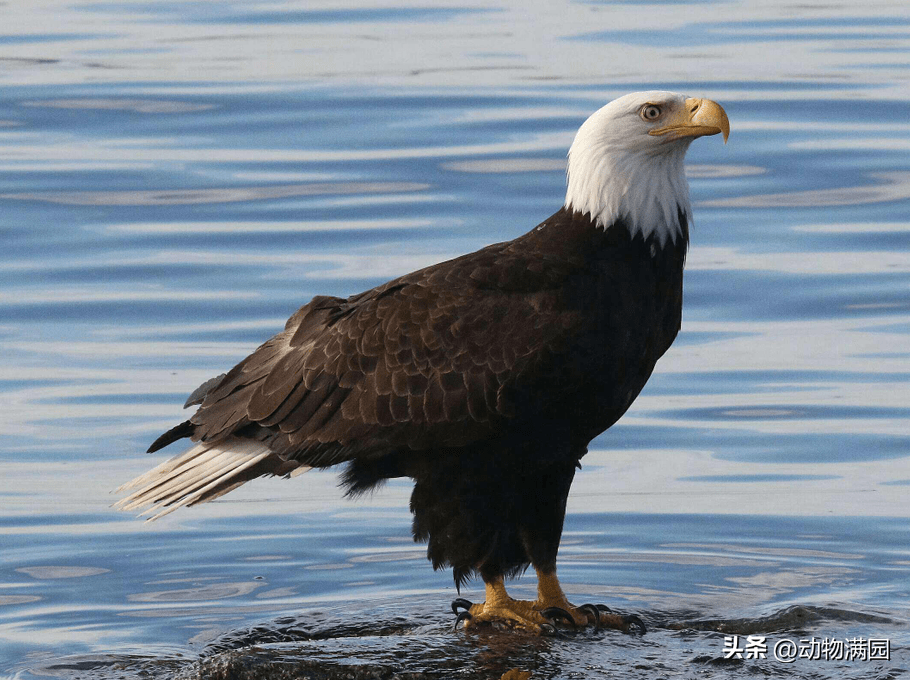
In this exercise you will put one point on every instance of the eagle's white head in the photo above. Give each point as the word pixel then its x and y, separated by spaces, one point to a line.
pixel 627 160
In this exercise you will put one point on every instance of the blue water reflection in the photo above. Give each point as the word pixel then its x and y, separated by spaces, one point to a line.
pixel 178 178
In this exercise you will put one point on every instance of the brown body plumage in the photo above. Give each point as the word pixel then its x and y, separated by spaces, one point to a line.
pixel 482 378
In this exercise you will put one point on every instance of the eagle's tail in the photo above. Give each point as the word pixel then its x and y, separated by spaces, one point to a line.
pixel 204 472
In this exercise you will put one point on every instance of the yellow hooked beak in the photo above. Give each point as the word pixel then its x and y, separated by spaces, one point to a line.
pixel 697 118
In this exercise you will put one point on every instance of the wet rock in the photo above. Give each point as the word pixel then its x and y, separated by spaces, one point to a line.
pixel 795 618
pixel 265 665
pixel 380 645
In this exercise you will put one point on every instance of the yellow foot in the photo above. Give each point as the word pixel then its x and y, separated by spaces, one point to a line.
pixel 552 603
pixel 551 609
pixel 534 617
pixel 504 612
pixel 599 616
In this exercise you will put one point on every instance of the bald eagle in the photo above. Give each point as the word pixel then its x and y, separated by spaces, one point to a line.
pixel 483 378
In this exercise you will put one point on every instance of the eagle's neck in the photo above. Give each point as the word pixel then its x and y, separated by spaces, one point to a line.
pixel 645 190
pixel 575 239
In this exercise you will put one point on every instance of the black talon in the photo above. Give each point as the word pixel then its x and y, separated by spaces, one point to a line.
pixel 464 616
pixel 558 613
pixel 461 603
pixel 547 628
pixel 633 620
pixel 593 612
pixel 604 608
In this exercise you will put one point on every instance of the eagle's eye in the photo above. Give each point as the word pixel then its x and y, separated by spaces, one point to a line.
pixel 649 112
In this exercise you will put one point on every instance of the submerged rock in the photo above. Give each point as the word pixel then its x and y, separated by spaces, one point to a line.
pixel 380 645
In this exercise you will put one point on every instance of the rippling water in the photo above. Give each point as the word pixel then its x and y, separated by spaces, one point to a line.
pixel 177 178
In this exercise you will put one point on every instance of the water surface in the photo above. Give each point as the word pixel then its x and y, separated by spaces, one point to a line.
pixel 178 178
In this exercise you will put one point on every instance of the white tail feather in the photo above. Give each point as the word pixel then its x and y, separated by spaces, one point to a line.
pixel 187 479
pixel 173 503
pixel 198 455
pixel 197 475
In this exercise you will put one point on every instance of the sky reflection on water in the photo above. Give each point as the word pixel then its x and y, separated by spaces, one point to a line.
pixel 179 177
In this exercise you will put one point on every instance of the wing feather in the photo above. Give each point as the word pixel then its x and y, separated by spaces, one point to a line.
pixel 437 352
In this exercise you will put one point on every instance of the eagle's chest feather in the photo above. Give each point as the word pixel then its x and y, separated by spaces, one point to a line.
pixel 624 298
